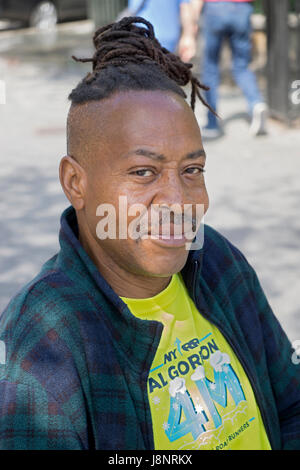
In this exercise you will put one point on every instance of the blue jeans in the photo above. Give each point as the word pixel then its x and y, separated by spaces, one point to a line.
pixel 232 21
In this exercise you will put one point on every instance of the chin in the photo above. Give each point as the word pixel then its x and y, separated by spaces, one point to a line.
pixel 165 265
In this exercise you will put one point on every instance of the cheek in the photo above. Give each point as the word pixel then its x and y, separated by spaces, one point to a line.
pixel 201 197
pixel 101 190
pixel 132 207
pixel 100 211
pixel 204 195
pixel 206 202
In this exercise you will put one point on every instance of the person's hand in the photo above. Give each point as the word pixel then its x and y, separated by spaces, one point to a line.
pixel 187 47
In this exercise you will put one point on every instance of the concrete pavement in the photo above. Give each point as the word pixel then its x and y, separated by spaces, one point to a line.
pixel 253 183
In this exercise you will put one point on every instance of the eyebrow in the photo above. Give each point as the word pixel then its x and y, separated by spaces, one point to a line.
pixel 160 157
pixel 196 154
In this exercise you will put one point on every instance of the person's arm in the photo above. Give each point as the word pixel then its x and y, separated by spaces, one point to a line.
pixel 284 371
pixel 30 419
pixel 189 29
pixel 198 7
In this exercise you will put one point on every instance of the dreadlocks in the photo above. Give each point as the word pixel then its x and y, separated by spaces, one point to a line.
pixel 129 57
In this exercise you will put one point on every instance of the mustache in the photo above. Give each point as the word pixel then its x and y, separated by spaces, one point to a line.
pixel 167 220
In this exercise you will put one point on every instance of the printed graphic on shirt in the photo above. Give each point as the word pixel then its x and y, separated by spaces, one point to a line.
pixel 200 396
pixel 197 400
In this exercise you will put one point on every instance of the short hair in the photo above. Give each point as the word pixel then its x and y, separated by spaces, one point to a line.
pixel 129 57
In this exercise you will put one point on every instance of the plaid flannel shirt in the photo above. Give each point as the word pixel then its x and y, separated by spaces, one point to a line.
pixel 77 360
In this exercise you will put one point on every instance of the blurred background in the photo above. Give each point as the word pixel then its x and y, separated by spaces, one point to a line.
pixel 253 183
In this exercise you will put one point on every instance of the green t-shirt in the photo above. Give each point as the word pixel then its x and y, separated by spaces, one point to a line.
pixel 199 394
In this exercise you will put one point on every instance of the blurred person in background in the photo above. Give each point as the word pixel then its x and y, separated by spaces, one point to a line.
pixel 229 20
pixel 174 23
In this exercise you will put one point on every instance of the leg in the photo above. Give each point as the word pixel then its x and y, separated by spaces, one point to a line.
pixel 213 37
pixel 240 43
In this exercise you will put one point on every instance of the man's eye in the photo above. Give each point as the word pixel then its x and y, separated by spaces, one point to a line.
pixel 143 172
pixel 195 170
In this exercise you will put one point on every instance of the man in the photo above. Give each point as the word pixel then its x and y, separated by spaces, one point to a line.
pixel 174 24
pixel 126 339
pixel 229 20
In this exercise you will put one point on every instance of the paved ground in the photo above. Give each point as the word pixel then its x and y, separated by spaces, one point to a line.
pixel 253 183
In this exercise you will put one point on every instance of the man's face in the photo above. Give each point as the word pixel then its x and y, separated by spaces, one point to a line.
pixel 146 147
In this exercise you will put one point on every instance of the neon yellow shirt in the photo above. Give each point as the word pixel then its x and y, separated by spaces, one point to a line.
pixel 199 394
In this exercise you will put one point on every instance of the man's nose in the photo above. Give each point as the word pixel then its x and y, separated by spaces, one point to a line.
pixel 171 190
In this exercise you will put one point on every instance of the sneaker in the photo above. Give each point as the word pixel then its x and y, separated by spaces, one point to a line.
pixel 259 117
pixel 211 132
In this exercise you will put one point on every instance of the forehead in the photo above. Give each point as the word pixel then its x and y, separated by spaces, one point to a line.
pixel 126 119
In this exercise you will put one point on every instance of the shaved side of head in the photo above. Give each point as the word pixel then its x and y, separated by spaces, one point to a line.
pixel 87 129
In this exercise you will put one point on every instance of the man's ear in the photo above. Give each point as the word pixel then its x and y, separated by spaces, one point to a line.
pixel 74 181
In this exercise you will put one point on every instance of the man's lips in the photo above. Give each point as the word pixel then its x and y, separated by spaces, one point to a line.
pixel 166 237
pixel 170 241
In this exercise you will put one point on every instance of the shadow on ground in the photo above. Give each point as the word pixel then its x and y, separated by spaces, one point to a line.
pixel 29 233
